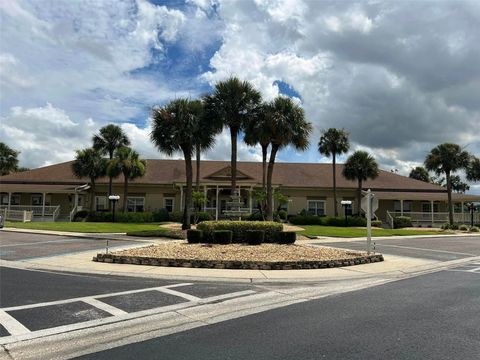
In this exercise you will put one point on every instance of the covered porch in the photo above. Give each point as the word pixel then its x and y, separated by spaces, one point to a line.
pixel 39 202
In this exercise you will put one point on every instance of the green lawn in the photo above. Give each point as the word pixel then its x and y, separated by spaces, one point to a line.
pixel 318 230
pixel 84 227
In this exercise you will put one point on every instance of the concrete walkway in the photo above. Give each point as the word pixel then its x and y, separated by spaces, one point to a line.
pixel 392 267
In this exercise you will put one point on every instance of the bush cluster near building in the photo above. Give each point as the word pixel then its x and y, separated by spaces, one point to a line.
pixel 339 221
pixel 160 215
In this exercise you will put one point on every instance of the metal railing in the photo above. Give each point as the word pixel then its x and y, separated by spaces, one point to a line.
pixel 56 212
pixel 434 217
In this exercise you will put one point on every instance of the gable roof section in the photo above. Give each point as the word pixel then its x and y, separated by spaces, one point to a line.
pixel 297 175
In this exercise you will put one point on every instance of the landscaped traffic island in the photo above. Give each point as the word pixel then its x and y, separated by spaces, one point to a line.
pixel 239 256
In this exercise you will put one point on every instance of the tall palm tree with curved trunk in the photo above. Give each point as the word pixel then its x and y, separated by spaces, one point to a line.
pixel 257 133
pixel 109 139
pixel 91 164
pixel 288 126
pixel 175 128
pixel 334 142
pixel 446 159
pixel 360 166
pixel 232 103
pixel 126 161
pixel 205 136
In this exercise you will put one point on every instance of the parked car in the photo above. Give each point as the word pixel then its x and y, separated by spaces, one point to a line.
pixel 1 221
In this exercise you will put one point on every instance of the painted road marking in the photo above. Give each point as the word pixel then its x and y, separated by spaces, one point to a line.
pixel 179 294
pixel 422 249
pixel 43 242
pixel 13 326
pixel 105 307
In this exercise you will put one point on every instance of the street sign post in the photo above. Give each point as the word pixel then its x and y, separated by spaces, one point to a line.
pixel 369 206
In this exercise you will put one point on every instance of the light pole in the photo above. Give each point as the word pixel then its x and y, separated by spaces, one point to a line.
pixel 346 203
pixel 113 199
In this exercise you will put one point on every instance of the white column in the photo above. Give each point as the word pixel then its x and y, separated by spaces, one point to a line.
pixel 204 198
pixel 431 210
pixel 463 215
pixel 181 197
pixel 43 204
pixel 401 207
pixel 76 201
pixel 250 199
pixel 216 207
pixel 9 200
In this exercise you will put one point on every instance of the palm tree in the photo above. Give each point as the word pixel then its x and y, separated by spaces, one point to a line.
pixel 89 163
pixel 8 159
pixel 257 132
pixel 109 139
pixel 420 173
pixel 473 170
pixel 445 159
pixel 127 162
pixel 174 129
pixel 232 104
pixel 334 142
pixel 288 127
pixel 360 166
pixel 205 136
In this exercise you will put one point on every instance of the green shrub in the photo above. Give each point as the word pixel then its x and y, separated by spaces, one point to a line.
pixel 377 223
pixel 454 227
pixel 239 228
pixel 286 237
pixel 282 214
pixel 177 216
pixel 402 222
pixel 463 227
pixel 474 229
pixel 81 215
pixel 194 236
pixel 254 217
pixel 161 215
pixel 157 233
pixel 254 237
pixel 445 226
pixel 306 220
pixel 223 237
pixel 352 221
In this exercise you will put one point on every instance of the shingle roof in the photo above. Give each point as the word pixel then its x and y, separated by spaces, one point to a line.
pixel 299 175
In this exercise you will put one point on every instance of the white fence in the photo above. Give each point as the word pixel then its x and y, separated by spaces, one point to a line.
pixel 17 215
pixel 421 218
pixel 35 210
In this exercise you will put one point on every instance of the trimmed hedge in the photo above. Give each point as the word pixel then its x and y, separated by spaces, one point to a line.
pixel 222 237
pixel 402 222
pixel 474 229
pixel 239 229
pixel 354 221
pixel 286 237
pixel 176 216
pixel 254 237
pixel 194 236
pixel 377 223
pixel 157 233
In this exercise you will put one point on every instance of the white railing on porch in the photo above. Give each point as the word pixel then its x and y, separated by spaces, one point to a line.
pixel 36 210
pixel 434 217
pixel 17 215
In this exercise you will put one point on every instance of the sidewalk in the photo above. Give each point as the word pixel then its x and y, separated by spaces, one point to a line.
pixel 392 267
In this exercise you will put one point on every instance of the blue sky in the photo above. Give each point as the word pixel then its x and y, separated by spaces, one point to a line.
pixel 400 77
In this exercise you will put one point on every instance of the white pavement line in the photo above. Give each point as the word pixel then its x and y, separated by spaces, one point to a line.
pixel 227 296
pixel 105 307
pixel 474 269
pixel 179 294
pixel 66 301
pixel 13 326
pixel 432 250
pixel 41 242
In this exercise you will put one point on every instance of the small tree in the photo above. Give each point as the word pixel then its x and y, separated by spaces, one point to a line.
pixel 280 199
pixel 473 169
pixel 126 161
pixel 334 142
pixel 89 163
pixel 360 166
pixel 445 159
pixel 8 159
pixel 420 173
pixel 198 199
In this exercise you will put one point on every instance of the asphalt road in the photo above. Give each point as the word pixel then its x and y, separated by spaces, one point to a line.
pixel 22 246
pixel 428 317
pixel 437 248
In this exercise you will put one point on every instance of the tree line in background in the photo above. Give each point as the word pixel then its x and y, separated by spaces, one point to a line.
pixel 122 160
pixel 9 160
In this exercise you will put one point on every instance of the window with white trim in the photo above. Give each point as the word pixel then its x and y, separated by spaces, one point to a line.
pixel 168 203
pixel 135 204
pixel 101 203
pixel 316 207
pixel 37 199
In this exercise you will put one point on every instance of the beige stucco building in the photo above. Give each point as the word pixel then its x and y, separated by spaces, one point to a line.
pixel 53 193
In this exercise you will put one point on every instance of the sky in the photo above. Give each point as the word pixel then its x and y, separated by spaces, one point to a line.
pixel 399 76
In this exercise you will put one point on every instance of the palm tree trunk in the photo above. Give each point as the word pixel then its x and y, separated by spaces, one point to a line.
pixel 271 163
pixel 359 197
pixel 264 165
pixel 125 192
pixel 335 205
pixel 197 180
pixel 188 194
pixel 449 193
pixel 92 194
pixel 110 183
pixel 233 139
